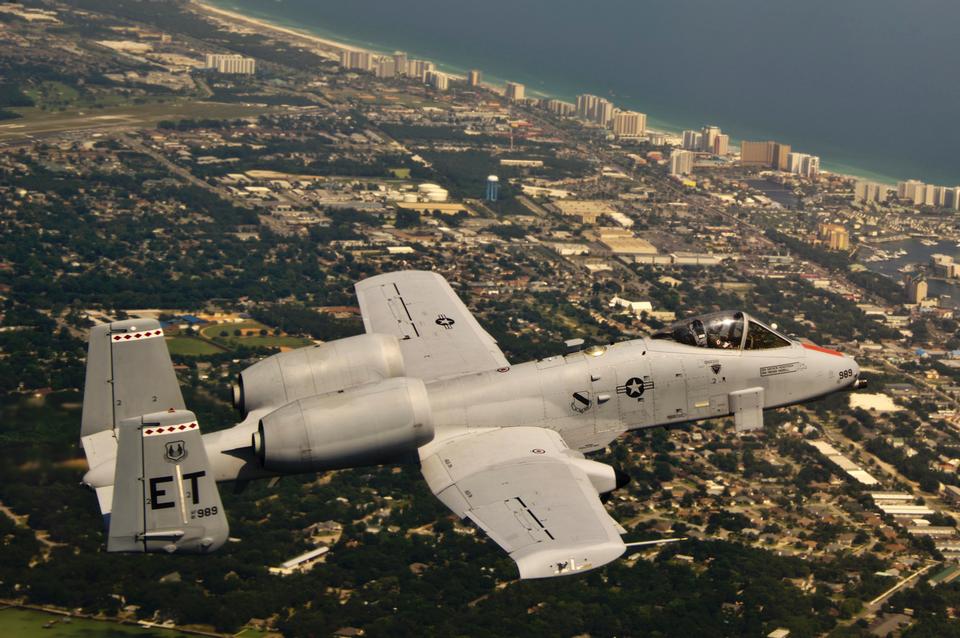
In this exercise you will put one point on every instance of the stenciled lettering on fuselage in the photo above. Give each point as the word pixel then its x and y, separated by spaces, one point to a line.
pixel 782 368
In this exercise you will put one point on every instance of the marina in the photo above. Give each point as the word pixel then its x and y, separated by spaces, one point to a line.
pixel 898 258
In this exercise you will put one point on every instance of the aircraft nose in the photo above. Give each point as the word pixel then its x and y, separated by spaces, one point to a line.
pixel 856 382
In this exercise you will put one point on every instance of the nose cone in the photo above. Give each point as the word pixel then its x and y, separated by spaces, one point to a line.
pixel 858 382
pixel 848 375
pixel 835 370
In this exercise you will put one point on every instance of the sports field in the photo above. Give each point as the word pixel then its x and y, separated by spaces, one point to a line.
pixel 192 346
pixel 250 336
pixel 26 623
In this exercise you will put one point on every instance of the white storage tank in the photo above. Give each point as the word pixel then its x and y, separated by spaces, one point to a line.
pixel 426 188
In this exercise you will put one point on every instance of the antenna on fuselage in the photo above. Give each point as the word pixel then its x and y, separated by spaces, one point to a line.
pixel 573 345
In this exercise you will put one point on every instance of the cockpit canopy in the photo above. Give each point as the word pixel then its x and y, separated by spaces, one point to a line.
pixel 725 330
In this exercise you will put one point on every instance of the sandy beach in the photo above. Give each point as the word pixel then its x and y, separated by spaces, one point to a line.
pixel 227 16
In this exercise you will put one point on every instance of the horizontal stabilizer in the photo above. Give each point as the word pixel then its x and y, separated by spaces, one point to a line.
pixel 165 498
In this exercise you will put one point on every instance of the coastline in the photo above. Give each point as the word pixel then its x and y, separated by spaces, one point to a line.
pixel 327 45
pixel 228 15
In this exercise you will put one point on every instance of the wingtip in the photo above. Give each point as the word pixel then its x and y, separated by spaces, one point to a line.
pixel 566 562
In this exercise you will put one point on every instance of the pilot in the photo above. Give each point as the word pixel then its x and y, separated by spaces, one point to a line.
pixel 721 342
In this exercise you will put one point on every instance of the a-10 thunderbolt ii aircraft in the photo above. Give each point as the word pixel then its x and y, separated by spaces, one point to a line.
pixel 501 444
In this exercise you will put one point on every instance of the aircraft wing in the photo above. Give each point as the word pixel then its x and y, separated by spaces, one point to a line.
pixel 438 335
pixel 530 494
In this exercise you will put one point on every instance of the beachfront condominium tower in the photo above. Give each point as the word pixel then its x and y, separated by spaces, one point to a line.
pixel 439 81
pixel 604 112
pixel 803 164
pixel 356 60
pixel 386 67
pixel 721 145
pixel 946 196
pixel 708 138
pixel 780 153
pixel 912 191
pixel 473 78
pixel 559 107
pixel 587 106
pixel 400 62
pixel 419 69
pixel 768 153
pixel 692 140
pixel 865 191
pixel 681 162
pixel 515 91
pixel 231 64
pixel 629 124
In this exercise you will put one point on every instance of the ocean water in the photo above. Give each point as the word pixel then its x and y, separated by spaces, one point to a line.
pixel 869 85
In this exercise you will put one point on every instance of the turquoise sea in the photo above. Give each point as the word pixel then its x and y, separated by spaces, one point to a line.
pixel 869 85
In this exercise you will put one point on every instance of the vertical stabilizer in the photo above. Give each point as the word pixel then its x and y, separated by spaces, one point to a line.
pixel 165 498
pixel 129 373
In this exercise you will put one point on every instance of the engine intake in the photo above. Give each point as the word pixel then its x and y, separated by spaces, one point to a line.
pixel 369 425
pixel 306 372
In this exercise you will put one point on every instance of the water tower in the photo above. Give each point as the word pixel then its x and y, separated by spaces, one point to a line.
pixel 493 188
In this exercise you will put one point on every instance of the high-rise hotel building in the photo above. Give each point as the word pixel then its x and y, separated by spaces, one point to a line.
pixel 681 162
pixel 233 64
pixel 629 124
pixel 769 153
pixel 515 91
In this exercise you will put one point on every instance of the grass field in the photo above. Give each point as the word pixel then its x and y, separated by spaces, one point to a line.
pixel 270 341
pixel 191 346
pixel 26 623
pixel 251 336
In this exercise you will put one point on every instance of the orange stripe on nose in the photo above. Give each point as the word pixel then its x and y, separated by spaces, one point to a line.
pixel 810 346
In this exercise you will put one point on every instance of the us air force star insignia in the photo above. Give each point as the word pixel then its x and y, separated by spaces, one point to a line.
pixel 445 321
pixel 634 388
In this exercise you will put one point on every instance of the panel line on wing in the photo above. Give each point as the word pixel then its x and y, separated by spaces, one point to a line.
pixel 406 311
pixel 534 517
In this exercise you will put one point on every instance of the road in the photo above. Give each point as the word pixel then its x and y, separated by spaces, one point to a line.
pixel 42 536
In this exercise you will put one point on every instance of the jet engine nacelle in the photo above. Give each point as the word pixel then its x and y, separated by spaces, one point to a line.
pixel 328 367
pixel 377 423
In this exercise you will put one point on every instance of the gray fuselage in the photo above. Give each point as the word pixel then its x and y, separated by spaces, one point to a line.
pixel 591 397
